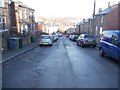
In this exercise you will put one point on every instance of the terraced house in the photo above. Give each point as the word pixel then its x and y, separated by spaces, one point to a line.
pixel 4 21
pixel 4 15
pixel 107 19
pixel 26 19
pixel 16 19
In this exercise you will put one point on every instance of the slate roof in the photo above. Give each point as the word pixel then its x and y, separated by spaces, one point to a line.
pixel 107 10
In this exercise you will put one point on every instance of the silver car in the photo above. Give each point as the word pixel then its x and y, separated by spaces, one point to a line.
pixel 46 40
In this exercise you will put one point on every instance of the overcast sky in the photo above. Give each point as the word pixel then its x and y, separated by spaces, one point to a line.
pixel 66 8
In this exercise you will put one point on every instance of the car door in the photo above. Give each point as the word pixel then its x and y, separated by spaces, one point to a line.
pixel 106 43
pixel 81 39
pixel 114 47
pixel 78 40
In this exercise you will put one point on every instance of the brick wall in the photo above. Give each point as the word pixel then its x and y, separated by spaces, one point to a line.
pixel 77 29
pixel 86 27
pixel 112 20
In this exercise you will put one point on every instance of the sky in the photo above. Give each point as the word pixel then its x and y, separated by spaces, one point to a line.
pixel 66 8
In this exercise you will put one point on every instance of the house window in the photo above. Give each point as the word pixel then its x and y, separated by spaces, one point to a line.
pixel 96 30
pixel 1 3
pixel 101 30
pixel 20 13
pixel 21 29
pixel 101 19
pixel 25 14
pixel 91 30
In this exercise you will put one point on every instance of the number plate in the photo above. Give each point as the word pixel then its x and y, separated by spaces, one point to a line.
pixel 90 40
pixel 45 43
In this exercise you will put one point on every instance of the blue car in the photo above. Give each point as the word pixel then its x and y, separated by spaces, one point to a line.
pixel 110 44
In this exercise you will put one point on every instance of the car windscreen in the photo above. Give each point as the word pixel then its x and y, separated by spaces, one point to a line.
pixel 76 36
pixel 45 37
pixel 89 36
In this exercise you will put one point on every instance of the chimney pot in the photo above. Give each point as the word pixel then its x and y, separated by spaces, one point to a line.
pixel 100 10
pixel 109 4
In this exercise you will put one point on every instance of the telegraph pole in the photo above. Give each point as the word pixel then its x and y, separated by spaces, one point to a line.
pixel 94 9
pixel 94 17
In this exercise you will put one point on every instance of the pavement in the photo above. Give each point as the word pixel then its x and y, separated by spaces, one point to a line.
pixel 8 55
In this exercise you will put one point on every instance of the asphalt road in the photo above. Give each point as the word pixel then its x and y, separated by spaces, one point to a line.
pixel 64 65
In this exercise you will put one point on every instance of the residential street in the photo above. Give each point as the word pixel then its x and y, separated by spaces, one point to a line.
pixel 63 65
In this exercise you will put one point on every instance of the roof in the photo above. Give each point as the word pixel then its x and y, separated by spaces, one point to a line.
pixel 78 23
pixel 86 20
pixel 21 4
pixel 107 10
pixel 90 18
pixel 24 5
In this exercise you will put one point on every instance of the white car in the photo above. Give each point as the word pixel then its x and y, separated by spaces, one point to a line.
pixel 46 40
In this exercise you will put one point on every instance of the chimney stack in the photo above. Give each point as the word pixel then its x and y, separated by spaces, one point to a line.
pixel 112 3
pixel 109 4
pixel 100 10
pixel 94 9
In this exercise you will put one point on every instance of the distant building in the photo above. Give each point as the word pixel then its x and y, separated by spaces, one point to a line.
pixel 77 29
pixel 85 26
pixel 40 26
pixel 91 23
pixel 70 31
pixel 61 28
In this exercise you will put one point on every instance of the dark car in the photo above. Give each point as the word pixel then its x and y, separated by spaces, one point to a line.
pixel 86 40
pixel 110 44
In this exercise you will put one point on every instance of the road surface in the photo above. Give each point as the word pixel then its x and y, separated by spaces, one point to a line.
pixel 64 65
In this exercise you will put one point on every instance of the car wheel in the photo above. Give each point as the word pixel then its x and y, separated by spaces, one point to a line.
pixel 119 59
pixel 50 44
pixel 40 45
pixel 77 44
pixel 81 45
pixel 101 53
pixel 94 46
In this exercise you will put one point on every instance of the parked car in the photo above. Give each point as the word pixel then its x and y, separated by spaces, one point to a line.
pixel 86 40
pixel 110 44
pixel 60 35
pixel 75 37
pixel 46 40
pixel 54 37
pixel 71 37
